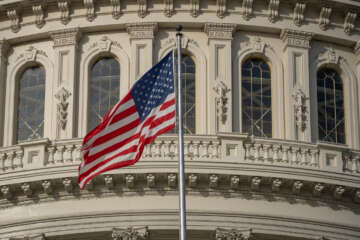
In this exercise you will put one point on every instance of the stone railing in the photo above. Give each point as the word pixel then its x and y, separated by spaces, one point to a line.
pixel 221 148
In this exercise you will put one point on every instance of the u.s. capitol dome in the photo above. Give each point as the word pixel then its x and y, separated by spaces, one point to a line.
pixel 272 112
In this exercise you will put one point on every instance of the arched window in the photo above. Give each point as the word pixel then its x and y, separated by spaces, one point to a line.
pixel 104 89
pixel 330 96
pixel 31 101
pixel 256 98
pixel 188 94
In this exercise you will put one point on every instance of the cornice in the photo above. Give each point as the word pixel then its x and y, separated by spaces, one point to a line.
pixel 151 183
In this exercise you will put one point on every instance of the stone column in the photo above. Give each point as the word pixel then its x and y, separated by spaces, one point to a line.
pixel 142 39
pixel 296 84
pixel 4 47
pixel 66 65
pixel 220 36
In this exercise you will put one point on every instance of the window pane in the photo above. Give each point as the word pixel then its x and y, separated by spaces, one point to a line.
pixel 256 98
pixel 30 117
pixel 104 89
pixel 188 94
pixel 330 106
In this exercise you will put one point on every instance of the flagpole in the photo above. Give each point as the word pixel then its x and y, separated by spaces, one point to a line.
pixel 182 186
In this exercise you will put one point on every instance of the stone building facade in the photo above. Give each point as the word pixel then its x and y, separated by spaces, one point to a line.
pixel 273 107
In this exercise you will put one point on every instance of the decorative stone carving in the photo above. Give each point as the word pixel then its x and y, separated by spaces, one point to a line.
pixel 318 189
pixel 338 192
pixel 38 11
pixel 221 8
pixel 130 233
pixel 47 186
pixel 90 10
pixel 331 56
pixel 142 30
pixel 62 95
pixel 6 192
pixel 14 16
pixel 150 180
pixel 258 44
pixel 142 10
pixel 233 234
pixel 293 38
pixel 26 188
pixel 324 20
pixel 168 8
pixel 130 180
pixel 247 9
pixel 273 10
pixel 115 8
pixel 66 37
pixel 109 181
pixel 172 180
pixel 29 54
pixel 299 13
pixel 276 184
pixel 68 186
pixel 213 181
pixel 349 23
pixel 193 180
pixel 255 183
pixel 357 196
pixel 297 186
pixel 300 109
pixel 234 182
pixel 219 30
pixel 195 8
pixel 64 7
pixel 221 99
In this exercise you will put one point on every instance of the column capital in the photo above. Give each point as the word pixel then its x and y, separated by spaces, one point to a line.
pixel 130 233
pixel 235 234
pixel 294 38
pixel 66 37
pixel 222 31
pixel 142 30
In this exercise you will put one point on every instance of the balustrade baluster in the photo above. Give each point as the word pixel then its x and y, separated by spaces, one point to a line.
pixel 266 149
pixel 314 158
pixel 51 153
pixel 285 154
pixel 304 157
pixel 2 162
pixel 18 160
pixel 258 148
pixel 247 151
pixel 77 153
pixel 195 148
pixel 294 155
pixel 58 157
pixel 9 161
pixel 275 157
pixel 68 153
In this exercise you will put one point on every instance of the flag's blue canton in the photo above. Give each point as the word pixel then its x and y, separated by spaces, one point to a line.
pixel 152 89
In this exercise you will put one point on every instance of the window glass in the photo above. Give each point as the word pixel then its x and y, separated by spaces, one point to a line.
pixel 30 116
pixel 256 98
pixel 188 71
pixel 104 89
pixel 330 106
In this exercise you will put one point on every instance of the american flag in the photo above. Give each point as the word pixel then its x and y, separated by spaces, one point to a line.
pixel 147 111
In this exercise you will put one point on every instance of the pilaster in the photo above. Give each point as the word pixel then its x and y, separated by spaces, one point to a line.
pixel 220 36
pixel 4 47
pixel 142 37
pixel 357 54
pixel 65 48
pixel 296 84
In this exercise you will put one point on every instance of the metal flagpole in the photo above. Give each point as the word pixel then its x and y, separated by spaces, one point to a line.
pixel 182 186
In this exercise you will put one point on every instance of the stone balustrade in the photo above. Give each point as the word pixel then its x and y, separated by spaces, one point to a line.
pixel 221 148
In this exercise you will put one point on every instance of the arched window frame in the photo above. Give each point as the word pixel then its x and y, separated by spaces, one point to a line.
pixel 86 62
pixel 12 94
pixel 202 114
pixel 266 53
pixel 350 89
